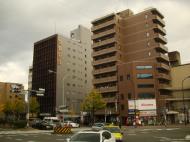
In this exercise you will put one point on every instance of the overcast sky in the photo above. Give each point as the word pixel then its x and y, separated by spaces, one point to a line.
pixel 23 22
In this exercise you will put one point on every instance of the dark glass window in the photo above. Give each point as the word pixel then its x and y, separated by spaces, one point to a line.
pixel 143 67
pixel 144 76
pixel 121 78
pixel 128 77
pixel 146 95
pixel 145 85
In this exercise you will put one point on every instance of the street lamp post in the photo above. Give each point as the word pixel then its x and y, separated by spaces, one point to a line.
pixel 39 92
pixel 184 109
pixel 63 106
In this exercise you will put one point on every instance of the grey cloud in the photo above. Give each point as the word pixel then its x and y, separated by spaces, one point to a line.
pixel 24 22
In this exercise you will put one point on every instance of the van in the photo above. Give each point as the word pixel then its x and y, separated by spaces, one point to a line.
pixel 54 121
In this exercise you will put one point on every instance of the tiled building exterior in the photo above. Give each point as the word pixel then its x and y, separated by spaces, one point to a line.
pixel 131 47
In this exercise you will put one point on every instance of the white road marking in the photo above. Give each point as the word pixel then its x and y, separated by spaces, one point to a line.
pixel 60 139
pixel 131 134
pixel 187 137
pixel 18 139
pixel 9 138
pixel 25 132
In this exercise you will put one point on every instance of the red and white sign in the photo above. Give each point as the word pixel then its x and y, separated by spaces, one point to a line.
pixel 147 104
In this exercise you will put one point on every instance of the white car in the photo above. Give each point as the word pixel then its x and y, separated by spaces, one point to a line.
pixel 72 124
pixel 92 136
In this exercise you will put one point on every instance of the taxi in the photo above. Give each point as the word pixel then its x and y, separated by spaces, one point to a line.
pixel 116 131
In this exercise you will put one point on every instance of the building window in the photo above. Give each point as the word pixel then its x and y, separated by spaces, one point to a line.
pixel 146 16
pixel 149 53
pixel 128 77
pixel 146 25
pixel 129 95
pixel 148 43
pixel 144 76
pixel 121 78
pixel 146 96
pixel 147 34
pixel 143 67
pixel 145 85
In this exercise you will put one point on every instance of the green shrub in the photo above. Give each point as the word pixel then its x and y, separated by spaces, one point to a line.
pixel 19 124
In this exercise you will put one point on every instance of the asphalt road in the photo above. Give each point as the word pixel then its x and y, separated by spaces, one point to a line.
pixel 153 134
pixel 161 134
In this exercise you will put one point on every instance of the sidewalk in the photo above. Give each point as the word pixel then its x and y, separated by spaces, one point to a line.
pixel 157 126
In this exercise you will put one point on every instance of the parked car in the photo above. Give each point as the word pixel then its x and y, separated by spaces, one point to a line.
pixel 92 136
pixel 98 126
pixel 116 131
pixel 71 124
pixel 54 121
pixel 43 125
pixel 35 123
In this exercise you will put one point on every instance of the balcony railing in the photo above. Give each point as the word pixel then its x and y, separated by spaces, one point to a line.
pixel 104 33
pixel 163 66
pixel 163 76
pixel 162 57
pixel 158 20
pixel 105 24
pixel 160 38
pixel 105 51
pixel 105 60
pixel 104 70
pixel 161 48
pixel 160 29
pixel 105 79
pixel 108 89
pixel 163 86
pixel 104 42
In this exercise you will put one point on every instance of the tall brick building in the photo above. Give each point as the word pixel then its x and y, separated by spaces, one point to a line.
pixel 131 65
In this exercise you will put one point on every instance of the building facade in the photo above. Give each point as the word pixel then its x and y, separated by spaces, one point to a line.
pixel 10 92
pixel 121 42
pixel 69 65
pixel 30 78
pixel 178 105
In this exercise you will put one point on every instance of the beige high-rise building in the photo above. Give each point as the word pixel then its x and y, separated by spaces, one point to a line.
pixel 131 65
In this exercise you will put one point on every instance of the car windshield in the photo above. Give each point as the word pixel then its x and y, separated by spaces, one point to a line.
pixel 86 137
pixel 113 129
